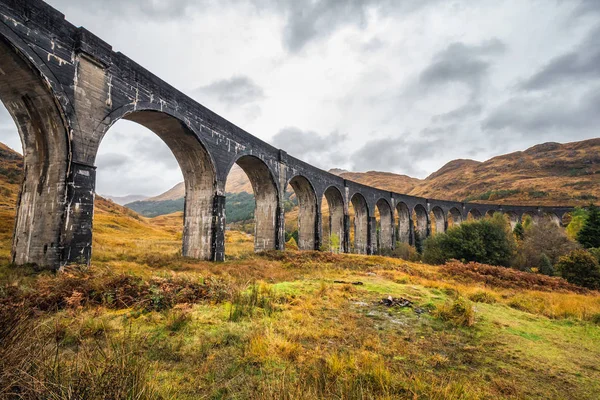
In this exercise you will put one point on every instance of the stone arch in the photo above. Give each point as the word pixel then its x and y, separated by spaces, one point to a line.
pixel 30 98
pixel 266 194
pixel 566 218
pixel 490 213
pixel 474 214
pixel 404 222
pixel 440 221
pixel 454 217
pixel 361 223
pixel 335 203
pixel 513 218
pixel 553 218
pixel 199 177
pixel 421 221
pixel 386 225
pixel 307 212
pixel 534 216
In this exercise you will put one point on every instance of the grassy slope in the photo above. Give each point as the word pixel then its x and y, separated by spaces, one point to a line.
pixel 313 337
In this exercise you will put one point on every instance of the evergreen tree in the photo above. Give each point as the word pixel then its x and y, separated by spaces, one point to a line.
pixel 546 266
pixel 519 231
pixel 589 235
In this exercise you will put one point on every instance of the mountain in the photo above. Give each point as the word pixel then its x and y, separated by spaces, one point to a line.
pixel 383 180
pixel 237 182
pixel 122 200
pixel 545 174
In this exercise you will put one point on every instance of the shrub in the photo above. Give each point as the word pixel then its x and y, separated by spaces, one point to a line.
pixel 589 235
pixel 405 252
pixel 580 267
pixel 460 312
pixel 483 296
pixel 546 266
pixel 519 232
pixel 578 217
pixel 543 244
pixel 488 241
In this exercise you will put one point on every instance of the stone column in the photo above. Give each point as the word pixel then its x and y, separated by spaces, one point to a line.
pixel 371 235
pixel 76 239
pixel 218 229
pixel 346 238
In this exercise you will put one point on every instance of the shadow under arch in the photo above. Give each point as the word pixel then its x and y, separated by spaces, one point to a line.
pixel 266 195
pixel 454 217
pixel 361 223
pixel 421 222
pixel 29 98
pixel 199 177
pixel 440 220
pixel 335 203
pixel 307 212
pixel 403 224
pixel 474 214
pixel 386 225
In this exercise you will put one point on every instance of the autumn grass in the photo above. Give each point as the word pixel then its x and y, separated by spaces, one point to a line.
pixel 275 325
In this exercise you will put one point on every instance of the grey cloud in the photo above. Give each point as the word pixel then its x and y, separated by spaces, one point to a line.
pixel 235 91
pixel 461 63
pixel 535 115
pixel 392 154
pixel 154 150
pixel 308 20
pixel 154 9
pixel 581 64
pixel 112 160
pixel 311 147
pixel 465 111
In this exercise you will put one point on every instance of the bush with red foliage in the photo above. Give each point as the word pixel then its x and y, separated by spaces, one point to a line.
pixel 508 278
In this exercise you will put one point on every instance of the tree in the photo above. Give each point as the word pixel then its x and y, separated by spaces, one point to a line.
pixel 488 241
pixel 581 268
pixel 544 238
pixel 519 231
pixel 589 235
pixel 546 266
pixel 578 217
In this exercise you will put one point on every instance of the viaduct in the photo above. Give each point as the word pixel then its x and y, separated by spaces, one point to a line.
pixel 65 87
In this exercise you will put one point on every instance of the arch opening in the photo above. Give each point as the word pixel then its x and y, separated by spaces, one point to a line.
pixel 438 222
pixel 529 216
pixel 165 152
pixel 474 215
pixel 332 211
pixel 420 225
pixel 307 212
pixel 385 226
pixel 513 218
pixel 37 233
pixel 454 217
pixel 198 178
pixel 552 217
pixel 490 213
pixel 359 223
pixel 266 201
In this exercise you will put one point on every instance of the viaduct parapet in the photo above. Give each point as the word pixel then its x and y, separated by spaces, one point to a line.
pixel 65 87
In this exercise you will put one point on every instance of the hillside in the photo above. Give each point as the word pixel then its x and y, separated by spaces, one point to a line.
pixel 549 173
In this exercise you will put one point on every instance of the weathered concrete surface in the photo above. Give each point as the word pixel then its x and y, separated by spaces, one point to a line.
pixel 65 88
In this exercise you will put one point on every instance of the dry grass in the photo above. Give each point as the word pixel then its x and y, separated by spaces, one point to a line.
pixel 274 325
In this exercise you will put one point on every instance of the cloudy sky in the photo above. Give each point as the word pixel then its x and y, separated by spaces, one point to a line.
pixel 401 86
